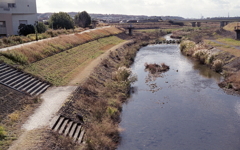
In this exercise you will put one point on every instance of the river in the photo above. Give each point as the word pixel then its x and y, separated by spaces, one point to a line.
pixel 182 109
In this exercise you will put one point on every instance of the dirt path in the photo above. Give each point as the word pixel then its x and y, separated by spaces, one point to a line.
pixel 217 42
pixel 84 74
pixel 54 98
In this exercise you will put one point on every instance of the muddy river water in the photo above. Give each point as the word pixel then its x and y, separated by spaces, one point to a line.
pixel 182 109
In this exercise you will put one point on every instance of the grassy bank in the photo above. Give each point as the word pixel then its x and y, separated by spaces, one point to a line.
pixel 15 40
pixel 59 69
pixel 224 61
pixel 38 51
pixel 99 100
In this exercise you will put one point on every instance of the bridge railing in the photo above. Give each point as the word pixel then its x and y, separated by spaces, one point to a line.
pixel 237 28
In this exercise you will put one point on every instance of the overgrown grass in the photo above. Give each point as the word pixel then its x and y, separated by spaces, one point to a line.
pixel 224 47
pixel 100 98
pixel 229 41
pixel 59 69
pixel 38 51
pixel 15 40
pixel 231 26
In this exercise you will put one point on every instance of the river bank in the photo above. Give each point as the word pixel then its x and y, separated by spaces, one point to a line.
pixel 220 61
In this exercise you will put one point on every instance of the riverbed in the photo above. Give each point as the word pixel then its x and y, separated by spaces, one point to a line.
pixel 181 109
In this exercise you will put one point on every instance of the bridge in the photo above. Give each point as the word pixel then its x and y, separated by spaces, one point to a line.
pixel 197 22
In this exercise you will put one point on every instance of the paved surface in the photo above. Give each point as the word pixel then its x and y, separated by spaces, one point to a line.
pixel 53 99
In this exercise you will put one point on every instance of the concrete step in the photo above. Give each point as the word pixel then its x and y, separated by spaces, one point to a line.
pixel 63 126
pixel 24 83
pixel 43 89
pixel 31 84
pixel 14 78
pixel 2 66
pixel 3 69
pixel 6 70
pixel 67 128
pixel 60 121
pixel 77 133
pixel 74 127
pixel 20 81
pixel 7 74
pixel 34 87
pixel 80 139
pixel 10 76
pixel 38 88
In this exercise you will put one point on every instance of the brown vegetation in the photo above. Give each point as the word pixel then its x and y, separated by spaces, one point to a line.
pixel 155 68
pixel 15 108
pixel 100 98
pixel 15 40
pixel 37 51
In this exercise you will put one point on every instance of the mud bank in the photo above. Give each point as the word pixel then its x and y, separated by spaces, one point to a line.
pixel 222 62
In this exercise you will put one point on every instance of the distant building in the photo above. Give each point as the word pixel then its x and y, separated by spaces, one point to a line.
pixel 16 12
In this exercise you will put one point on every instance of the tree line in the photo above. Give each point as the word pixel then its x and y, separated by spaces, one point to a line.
pixel 59 20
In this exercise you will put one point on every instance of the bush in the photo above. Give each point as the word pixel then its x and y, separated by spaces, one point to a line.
pixel 201 55
pixel 41 28
pixel 2 133
pixel 121 74
pixel 25 29
pixel 217 65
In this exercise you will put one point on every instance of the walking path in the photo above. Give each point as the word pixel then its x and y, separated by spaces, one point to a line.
pixel 29 43
pixel 237 47
pixel 55 97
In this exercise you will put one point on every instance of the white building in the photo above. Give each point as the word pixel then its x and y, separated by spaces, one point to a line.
pixel 16 12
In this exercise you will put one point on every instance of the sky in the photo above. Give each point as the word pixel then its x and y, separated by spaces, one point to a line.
pixel 183 8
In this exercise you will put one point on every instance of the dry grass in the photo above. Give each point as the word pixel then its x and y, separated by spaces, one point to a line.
pixel 231 26
pixel 37 51
pixel 156 68
pixel 15 40
pixel 217 65
pixel 233 81
pixel 224 47
pixel 100 98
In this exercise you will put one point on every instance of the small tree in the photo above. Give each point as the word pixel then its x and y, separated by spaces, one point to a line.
pixel 41 27
pixel 82 19
pixel 61 20
pixel 24 29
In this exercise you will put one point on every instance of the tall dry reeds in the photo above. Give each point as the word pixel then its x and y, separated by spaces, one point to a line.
pixel 41 50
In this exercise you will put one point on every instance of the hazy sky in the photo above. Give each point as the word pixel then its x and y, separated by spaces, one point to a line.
pixel 184 8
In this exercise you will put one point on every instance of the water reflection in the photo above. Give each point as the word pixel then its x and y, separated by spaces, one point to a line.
pixel 183 109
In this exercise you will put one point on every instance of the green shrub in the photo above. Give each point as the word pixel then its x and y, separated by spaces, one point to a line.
pixel 41 27
pixel 25 29
pixel 3 133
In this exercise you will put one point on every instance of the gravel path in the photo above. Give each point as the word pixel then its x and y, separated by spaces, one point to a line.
pixel 53 100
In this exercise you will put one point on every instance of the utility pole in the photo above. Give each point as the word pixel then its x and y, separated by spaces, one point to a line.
pixel 36 24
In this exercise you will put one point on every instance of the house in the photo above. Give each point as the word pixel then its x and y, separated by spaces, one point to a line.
pixel 16 12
